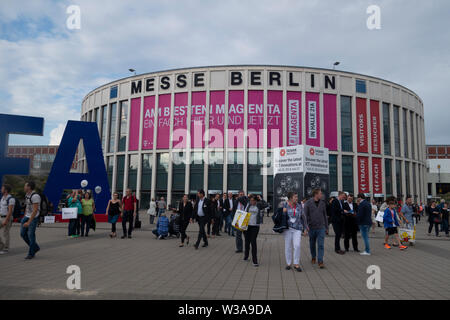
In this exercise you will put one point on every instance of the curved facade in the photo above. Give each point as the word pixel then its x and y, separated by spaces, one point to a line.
pixel 173 132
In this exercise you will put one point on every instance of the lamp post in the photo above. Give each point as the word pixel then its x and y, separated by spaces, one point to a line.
pixel 336 64
pixel 132 70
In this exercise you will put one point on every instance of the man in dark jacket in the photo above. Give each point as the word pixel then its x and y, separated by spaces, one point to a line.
pixel 202 214
pixel 241 204
pixel 337 220
pixel 185 211
pixel 230 208
pixel 364 220
pixel 350 225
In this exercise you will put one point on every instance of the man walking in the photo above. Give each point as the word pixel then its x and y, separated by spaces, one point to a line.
pixel 337 220
pixel 350 225
pixel 407 213
pixel 31 219
pixel 229 209
pixel 242 202
pixel 128 213
pixel 202 214
pixel 364 220
pixel 317 225
pixel 7 204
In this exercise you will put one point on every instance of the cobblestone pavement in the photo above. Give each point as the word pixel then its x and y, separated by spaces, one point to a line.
pixel 146 268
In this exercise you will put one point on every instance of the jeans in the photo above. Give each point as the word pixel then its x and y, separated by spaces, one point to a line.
pixel 365 235
pixel 337 227
pixel 445 226
pixel 152 219
pixel 201 231
pixel 239 243
pixel 127 217
pixel 29 235
pixel 228 221
pixel 72 227
pixel 317 235
pixel 250 239
pixel 85 221
pixel 161 211
pixel 78 224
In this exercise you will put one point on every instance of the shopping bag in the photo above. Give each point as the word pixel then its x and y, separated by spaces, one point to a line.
pixel 241 219
pixel 69 213
pixel 380 216
pixel 407 235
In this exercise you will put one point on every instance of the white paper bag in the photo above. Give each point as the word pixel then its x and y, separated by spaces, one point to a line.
pixel 380 216
pixel 69 213
pixel 49 219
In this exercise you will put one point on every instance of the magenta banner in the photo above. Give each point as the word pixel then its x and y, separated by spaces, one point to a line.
pixel 312 119
pixel 216 119
pixel 294 118
pixel 236 119
pixel 330 121
pixel 255 119
pixel 180 111
pixel 149 123
pixel 274 119
pixel 198 118
pixel 135 120
pixel 163 121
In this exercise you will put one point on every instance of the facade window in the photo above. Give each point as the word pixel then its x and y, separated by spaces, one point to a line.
pixel 196 171
pixel 346 124
pixel 407 181
pixel 388 177
pixel 146 179
pixel 133 163
pixel 123 127
pixel 178 176
pixel 254 174
pixel 104 118
pixel 162 169
pixel 109 169
pixel 90 116
pixel 235 168
pixel 413 140
pixel 405 133
pixel 430 187
pixel 414 184
pixel 397 130
pixel 347 173
pixel 113 92
pixel 361 86
pixel 112 128
pixel 215 170
pixel 120 173
pixel 387 129
pixel 398 176
pixel 333 172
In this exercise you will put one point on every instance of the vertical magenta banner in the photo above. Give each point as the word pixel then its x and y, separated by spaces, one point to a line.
pixel 216 119
pixel 149 123
pixel 294 118
pixel 363 174
pixel 163 121
pixel 361 125
pixel 312 119
pixel 255 119
pixel 236 119
pixel 274 119
pixel 135 120
pixel 377 176
pixel 198 118
pixel 375 126
pixel 330 121
pixel 180 112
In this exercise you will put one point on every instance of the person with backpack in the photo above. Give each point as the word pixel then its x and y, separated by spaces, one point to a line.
pixel 7 205
pixel 31 219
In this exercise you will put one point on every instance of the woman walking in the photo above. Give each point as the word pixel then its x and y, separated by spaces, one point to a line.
pixel 113 212
pixel 252 231
pixel 88 206
pixel 152 210
pixel 434 218
pixel 293 235
pixel 185 211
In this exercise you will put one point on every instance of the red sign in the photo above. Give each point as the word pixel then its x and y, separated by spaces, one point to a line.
pixel 377 182
pixel 361 125
pixel 363 174
pixel 375 126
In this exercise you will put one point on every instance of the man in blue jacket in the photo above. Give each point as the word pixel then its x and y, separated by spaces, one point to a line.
pixel 364 221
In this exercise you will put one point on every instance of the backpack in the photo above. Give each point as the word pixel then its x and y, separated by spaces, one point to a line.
pixel 17 210
pixel 43 209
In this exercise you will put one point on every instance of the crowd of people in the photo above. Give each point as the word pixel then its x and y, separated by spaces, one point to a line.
pixel 293 218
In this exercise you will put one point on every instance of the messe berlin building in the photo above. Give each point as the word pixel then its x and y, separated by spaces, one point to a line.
pixel 173 132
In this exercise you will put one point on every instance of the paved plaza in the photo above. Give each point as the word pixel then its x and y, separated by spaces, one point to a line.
pixel 146 268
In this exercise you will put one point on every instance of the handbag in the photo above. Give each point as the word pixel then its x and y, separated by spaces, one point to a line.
pixel 437 220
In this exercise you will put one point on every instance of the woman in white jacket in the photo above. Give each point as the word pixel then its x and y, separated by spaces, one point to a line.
pixel 152 210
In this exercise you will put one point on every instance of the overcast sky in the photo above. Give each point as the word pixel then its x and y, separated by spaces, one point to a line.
pixel 46 69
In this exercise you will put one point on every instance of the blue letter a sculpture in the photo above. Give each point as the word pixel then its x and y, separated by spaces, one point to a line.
pixel 60 177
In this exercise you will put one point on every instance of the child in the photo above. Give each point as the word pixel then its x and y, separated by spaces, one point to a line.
pixel 391 224
pixel 162 227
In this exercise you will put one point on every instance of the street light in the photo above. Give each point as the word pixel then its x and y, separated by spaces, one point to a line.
pixel 132 70
pixel 335 64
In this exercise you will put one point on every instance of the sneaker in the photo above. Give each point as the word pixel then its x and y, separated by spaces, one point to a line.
pixel 321 265
pixel 3 252
pixel 29 257
pixel 256 264
pixel 129 237
pixel 288 267
pixel 387 246
pixel 403 247
pixel 364 253
pixel 313 260
pixel 122 237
